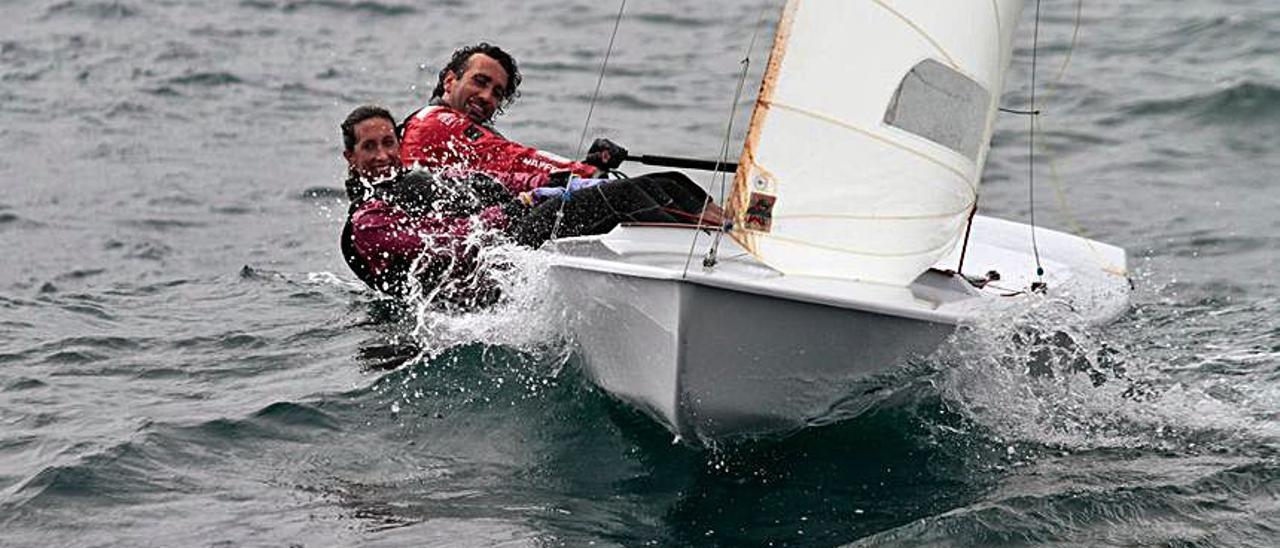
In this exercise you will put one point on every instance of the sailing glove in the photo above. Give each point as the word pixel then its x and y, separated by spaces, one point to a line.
pixel 605 155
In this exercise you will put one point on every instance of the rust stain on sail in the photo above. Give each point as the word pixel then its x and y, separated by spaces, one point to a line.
pixel 740 199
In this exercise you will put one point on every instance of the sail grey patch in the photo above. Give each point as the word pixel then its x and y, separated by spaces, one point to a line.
pixel 941 105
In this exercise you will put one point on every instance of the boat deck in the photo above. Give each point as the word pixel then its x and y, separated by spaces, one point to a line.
pixel 1091 274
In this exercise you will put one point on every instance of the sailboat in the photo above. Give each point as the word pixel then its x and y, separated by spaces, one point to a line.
pixel 854 244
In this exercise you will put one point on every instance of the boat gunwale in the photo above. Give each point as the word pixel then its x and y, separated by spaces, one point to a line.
pixel 760 288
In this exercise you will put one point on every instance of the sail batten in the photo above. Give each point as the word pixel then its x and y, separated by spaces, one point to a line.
pixel 869 135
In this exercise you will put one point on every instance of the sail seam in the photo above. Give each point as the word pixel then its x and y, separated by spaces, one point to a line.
pixel 950 242
pixel 966 209
pixel 921 32
pixel 973 187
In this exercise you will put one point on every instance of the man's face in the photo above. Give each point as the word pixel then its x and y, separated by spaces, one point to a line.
pixel 377 151
pixel 479 90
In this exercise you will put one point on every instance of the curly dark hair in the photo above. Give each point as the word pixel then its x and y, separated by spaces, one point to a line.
pixel 360 114
pixel 458 65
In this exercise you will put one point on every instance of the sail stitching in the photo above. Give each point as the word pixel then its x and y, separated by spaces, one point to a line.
pixel 950 242
pixel 951 61
pixel 973 187
pixel 965 209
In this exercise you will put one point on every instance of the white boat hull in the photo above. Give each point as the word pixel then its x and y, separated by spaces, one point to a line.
pixel 740 350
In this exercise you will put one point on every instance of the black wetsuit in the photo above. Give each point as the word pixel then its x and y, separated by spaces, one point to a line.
pixel 667 198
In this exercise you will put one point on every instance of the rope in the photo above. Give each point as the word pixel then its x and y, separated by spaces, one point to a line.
pixel 710 260
pixel 600 80
pixel 1031 147
pixel 586 125
pixel 1050 158
pixel 1046 150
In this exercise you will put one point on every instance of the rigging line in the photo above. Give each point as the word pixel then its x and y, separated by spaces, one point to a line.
pixel 1031 147
pixel 586 125
pixel 1066 60
pixel 1050 158
pixel 1065 208
pixel 1001 62
pixel 600 80
pixel 724 153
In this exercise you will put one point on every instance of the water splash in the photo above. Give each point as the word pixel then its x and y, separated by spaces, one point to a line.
pixel 1039 375
pixel 515 284
pixel 490 334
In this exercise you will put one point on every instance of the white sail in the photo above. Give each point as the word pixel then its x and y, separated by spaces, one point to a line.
pixel 870 133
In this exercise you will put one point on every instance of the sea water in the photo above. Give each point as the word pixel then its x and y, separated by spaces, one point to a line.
pixel 186 360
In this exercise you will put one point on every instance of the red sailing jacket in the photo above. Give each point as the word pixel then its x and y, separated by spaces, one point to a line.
pixel 442 139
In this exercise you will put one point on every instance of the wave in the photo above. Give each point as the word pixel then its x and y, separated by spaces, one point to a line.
pixel 142 468
pixel 671 20
pixel 23 383
pixel 589 66
pixel 323 193
pixel 1204 243
pixel 94 10
pixel 365 6
pixel 162 225
pixel 111 343
pixel 216 31
pixel 206 79
pixel 1242 103
pixel 623 101
pixel 1040 378
pixel 225 341
pixel 1075 500
pixel 76 304
pixel 126 109
pixel 106 476
pixel 281 417
pixel 162 91
pixel 293 89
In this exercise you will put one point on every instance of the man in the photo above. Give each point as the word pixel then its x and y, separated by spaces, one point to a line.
pixel 407 225
pixel 455 133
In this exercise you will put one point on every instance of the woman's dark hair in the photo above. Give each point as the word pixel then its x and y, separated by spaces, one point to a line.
pixel 360 114
pixel 458 65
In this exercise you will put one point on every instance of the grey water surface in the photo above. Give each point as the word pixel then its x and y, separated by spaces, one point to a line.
pixel 186 361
